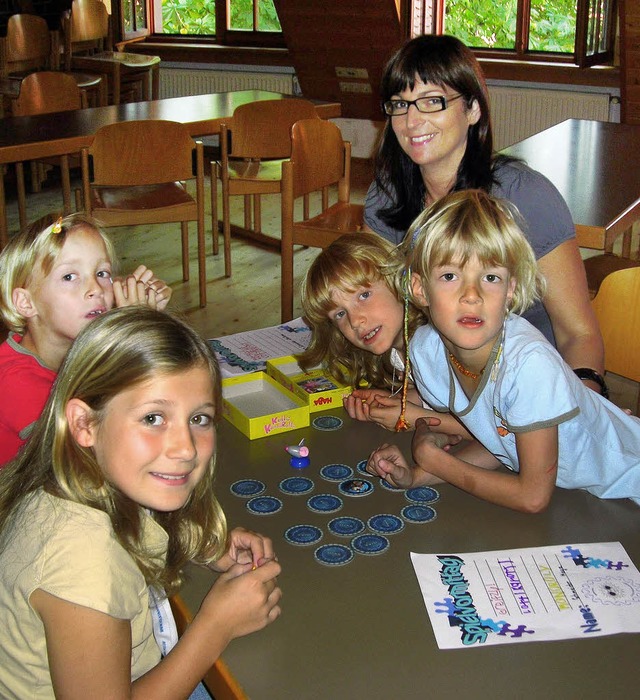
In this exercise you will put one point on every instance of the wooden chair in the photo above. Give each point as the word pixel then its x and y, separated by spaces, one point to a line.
pixel 88 45
pixel 28 47
pixel 319 159
pixel 598 267
pixel 218 680
pixel 41 93
pixel 252 147
pixel 617 306
pixel 137 172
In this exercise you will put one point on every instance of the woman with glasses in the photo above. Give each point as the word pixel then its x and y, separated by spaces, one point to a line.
pixel 438 139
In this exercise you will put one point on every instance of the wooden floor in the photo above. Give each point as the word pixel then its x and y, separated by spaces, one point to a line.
pixel 251 297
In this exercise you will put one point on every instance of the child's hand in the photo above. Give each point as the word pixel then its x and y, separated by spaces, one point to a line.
pixel 141 287
pixel 426 432
pixel 388 463
pixel 245 547
pixel 242 600
pixel 359 402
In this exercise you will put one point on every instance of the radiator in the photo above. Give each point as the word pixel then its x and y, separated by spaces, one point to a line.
pixel 517 113
pixel 178 82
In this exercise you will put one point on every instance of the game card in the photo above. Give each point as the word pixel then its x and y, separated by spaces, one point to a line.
pixel 529 595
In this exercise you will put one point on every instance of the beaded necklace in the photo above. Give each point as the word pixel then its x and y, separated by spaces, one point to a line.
pixel 462 369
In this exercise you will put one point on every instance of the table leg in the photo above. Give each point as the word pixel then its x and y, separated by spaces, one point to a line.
pixel 155 81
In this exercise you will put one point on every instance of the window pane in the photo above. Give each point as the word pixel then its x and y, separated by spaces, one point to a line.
pixel 497 30
pixel 242 16
pixel 188 17
pixel 553 25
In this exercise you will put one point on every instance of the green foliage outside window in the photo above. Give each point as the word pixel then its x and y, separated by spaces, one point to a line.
pixel 552 28
pixel 198 16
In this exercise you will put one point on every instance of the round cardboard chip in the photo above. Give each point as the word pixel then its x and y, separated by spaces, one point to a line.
pixel 296 485
pixel 416 513
pixel 356 487
pixel 422 494
pixel 303 535
pixel 333 554
pixel 346 526
pixel 327 423
pixel 385 524
pixel 264 505
pixel 324 503
pixel 336 472
pixel 247 488
pixel 370 544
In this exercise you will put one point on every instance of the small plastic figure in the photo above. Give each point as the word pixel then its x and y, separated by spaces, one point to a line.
pixel 299 455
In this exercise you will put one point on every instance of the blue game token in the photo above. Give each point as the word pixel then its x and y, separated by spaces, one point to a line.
pixel 303 534
pixel 346 526
pixel 327 423
pixel 264 505
pixel 296 485
pixel 416 513
pixel 333 554
pixel 362 466
pixel 370 544
pixel 422 494
pixel 324 503
pixel 385 524
pixel 390 487
pixel 356 487
pixel 247 488
pixel 336 472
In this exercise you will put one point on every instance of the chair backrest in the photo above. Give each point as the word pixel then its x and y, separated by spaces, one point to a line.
pixel 263 129
pixel 319 158
pixel 48 91
pixel 617 306
pixel 27 44
pixel 145 152
pixel 86 28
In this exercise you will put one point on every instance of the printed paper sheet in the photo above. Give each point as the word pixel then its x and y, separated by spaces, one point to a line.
pixel 527 595
pixel 249 351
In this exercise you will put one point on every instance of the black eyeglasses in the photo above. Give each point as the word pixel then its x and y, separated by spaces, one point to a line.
pixel 426 105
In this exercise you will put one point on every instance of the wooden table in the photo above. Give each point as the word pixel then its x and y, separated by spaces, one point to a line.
pixel 595 166
pixel 362 630
pixel 29 138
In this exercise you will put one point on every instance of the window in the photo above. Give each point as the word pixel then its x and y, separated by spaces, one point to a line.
pixel 581 32
pixel 234 22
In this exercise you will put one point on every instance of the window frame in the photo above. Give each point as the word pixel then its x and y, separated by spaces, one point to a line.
pixel 223 36
pixel 427 16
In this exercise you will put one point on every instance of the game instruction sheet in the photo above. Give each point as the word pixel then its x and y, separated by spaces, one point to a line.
pixel 529 595
pixel 241 353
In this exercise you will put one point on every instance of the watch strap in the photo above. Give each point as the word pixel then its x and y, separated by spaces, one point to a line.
pixel 588 373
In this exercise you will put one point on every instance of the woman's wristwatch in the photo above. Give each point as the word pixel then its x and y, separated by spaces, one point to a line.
pixel 588 373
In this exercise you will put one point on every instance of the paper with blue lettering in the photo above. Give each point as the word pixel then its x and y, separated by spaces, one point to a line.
pixel 529 595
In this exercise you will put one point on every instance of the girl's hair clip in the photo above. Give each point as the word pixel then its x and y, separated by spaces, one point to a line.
pixel 56 226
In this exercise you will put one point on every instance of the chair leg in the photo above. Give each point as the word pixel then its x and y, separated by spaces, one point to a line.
pixel 22 195
pixel 184 226
pixel 247 211
pixel 226 232
pixel 66 184
pixel 214 207
pixel 257 214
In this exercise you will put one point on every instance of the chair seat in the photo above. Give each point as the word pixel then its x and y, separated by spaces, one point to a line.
pixel 256 171
pixel 599 266
pixel 141 197
pixel 341 216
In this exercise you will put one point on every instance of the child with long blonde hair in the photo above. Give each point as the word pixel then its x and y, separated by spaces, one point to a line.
pixel 355 305
pixel 56 276
pixel 100 511
pixel 536 425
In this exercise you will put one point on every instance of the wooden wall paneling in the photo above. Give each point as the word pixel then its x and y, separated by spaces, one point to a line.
pixel 630 60
pixel 322 35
